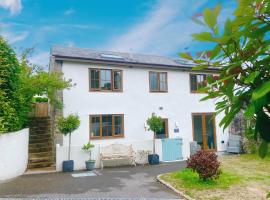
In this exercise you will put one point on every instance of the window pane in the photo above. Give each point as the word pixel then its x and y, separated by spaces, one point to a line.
pixel 153 81
pixel 106 125
pixel 94 79
pixel 95 126
pixel 106 79
pixel 163 81
pixel 201 81
pixel 197 123
pixel 118 120
pixel 117 80
pixel 193 82
pixel 209 131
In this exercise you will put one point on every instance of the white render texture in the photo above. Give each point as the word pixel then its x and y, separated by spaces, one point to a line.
pixel 137 104
pixel 13 154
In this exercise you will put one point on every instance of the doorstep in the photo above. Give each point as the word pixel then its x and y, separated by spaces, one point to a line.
pixel 43 170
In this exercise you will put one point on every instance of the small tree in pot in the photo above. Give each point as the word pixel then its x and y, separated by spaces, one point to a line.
pixel 155 124
pixel 90 164
pixel 66 126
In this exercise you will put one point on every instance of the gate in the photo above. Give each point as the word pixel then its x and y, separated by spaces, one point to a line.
pixel 172 149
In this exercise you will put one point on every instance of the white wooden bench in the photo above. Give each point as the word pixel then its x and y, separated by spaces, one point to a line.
pixel 117 152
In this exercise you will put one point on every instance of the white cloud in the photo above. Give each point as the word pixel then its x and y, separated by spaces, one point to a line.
pixel 15 6
pixel 166 29
pixel 14 37
pixel 69 11
pixel 163 31
pixel 41 59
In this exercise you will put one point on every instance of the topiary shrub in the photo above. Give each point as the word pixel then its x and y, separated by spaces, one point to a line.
pixel 67 125
pixel 155 124
pixel 205 164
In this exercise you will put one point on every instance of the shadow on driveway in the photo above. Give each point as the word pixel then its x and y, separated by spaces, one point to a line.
pixel 121 182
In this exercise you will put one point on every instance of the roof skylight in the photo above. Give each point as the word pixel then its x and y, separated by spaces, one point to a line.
pixel 111 56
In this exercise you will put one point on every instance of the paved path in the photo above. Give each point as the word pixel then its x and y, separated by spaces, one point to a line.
pixel 123 182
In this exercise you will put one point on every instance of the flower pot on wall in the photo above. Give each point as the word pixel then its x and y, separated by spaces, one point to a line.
pixel 68 166
pixel 90 165
pixel 153 159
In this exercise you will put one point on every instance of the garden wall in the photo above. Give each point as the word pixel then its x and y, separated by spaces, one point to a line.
pixel 13 154
pixel 79 156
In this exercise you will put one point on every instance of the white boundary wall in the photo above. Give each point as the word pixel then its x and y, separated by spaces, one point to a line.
pixel 13 154
pixel 79 156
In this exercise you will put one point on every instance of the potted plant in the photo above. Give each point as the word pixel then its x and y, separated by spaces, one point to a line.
pixel 90 164
pixel 155 124
pixel 66 126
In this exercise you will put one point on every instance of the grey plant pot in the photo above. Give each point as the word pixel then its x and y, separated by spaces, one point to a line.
pixel 90 165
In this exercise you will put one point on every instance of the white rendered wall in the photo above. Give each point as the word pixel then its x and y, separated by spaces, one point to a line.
pixel 13 154
pixel 79 156
pixel 137 104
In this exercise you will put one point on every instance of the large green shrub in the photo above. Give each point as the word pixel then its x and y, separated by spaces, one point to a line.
pixel 240 50
pixel 20 81
pixel 10 97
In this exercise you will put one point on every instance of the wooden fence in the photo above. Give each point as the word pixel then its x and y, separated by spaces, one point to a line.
pixel 40 110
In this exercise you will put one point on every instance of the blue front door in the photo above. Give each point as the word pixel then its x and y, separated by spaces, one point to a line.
pixel 172 149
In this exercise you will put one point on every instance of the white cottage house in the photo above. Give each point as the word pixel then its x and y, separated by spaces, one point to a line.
pixel 115 93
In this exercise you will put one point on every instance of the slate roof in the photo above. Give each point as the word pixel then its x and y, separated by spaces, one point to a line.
pixel 61 52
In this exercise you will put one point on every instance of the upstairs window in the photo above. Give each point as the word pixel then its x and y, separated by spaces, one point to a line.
pixel 105 80
pixel 197 81
pixel 106 126
pixel 158 81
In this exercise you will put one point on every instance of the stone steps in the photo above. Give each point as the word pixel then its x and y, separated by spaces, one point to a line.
pixel 40 144
pixel 40 136
pixel 39 149
pixel 39 165
pixel 39 140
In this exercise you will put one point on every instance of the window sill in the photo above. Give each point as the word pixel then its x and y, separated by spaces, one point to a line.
pixel 107 138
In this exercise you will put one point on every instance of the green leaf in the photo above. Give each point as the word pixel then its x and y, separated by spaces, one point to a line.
pixel 185 56
pixel 199 67
pixel 210 16
pixel 203 36
pixel 263 149
pixel 261 91
pixel 251 77
pixel 250 111
pixel 263 125
pixel 215 52
pixel 228 27
pixel 197 21
pixel 268 195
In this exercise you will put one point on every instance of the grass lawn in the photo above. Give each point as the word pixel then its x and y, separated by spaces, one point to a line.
pixel 243 177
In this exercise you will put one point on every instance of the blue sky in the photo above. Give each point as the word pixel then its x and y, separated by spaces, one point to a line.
pixel 161 27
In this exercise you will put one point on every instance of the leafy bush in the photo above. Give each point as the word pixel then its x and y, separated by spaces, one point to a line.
pixel 67 125
pixel 10 96
pixel 205 164
pixel 20 81
pixel 40 99
pixel 155 123
pixel 87 147
pixel 250 144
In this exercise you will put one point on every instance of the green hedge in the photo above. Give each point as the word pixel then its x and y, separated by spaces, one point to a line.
pixel 20 82
pixel 10 97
